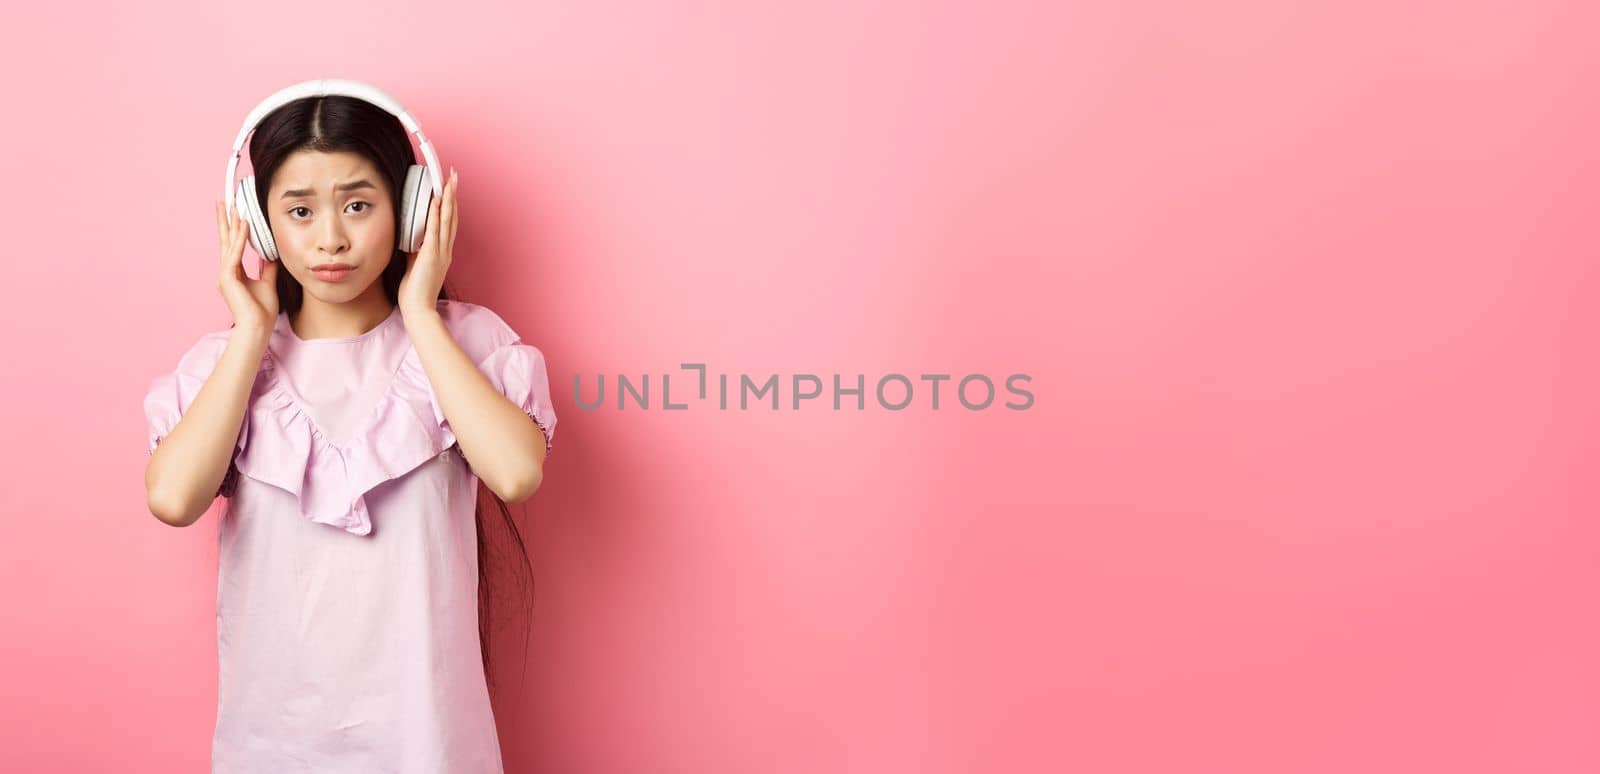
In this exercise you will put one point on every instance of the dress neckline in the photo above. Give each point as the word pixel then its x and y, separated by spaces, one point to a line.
pixel 294 338
pixel 286 343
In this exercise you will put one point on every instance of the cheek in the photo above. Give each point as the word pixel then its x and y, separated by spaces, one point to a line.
pixel 376 230
pixel 378 224
pixel 287 233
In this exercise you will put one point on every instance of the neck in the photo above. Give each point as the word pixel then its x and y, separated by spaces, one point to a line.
pixel 318 319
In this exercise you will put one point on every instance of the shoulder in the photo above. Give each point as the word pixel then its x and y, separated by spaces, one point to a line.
pixel 477 328
pixel 203 354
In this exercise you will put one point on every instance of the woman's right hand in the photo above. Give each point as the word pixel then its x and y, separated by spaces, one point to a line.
pixel 254 303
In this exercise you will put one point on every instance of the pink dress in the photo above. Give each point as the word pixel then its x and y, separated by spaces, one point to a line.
pixel 347 593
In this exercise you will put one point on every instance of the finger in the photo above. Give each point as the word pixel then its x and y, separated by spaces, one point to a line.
pixel 431 233
pixel 240 237
pixel 232 269
pixel 244 232
pixel 222 232
pixel 455 208
pixel 229 245
pixel 448 208
pixel 447 213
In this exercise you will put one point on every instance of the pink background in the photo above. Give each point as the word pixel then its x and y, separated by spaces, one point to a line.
pixel 1307 292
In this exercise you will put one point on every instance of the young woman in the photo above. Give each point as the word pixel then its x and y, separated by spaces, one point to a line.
pixel 348 416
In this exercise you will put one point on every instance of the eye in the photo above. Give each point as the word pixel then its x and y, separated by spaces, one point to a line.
pixel 364 207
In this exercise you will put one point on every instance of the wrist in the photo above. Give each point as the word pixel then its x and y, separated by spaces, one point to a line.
pixel 250 334
pixel 414 316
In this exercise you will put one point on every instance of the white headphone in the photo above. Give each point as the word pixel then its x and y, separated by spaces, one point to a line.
pixel 415 195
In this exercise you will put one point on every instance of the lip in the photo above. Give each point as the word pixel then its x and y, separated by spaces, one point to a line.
pixel 332 272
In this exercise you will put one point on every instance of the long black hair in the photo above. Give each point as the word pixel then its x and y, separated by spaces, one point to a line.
pixel 339 123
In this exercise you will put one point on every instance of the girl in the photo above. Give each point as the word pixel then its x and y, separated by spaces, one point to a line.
pixel 348 416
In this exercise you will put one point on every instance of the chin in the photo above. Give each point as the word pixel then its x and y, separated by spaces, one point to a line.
pixel 327 297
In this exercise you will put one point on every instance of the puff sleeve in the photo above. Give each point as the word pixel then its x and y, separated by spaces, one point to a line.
pixel 516 368
pixel 171 394
pixel 518 371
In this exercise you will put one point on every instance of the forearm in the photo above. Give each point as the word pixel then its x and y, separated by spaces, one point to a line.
pixel 188 466
pixel 503 445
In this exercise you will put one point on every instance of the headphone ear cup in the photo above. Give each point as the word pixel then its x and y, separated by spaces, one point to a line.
pixel 415 198
pixel 260 233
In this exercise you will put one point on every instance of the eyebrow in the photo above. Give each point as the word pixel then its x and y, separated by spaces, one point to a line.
pixel 362 183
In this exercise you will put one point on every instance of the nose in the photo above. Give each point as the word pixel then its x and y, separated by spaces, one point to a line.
pixel 331 237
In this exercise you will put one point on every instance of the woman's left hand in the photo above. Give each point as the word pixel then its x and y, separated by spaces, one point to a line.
pixel 425 268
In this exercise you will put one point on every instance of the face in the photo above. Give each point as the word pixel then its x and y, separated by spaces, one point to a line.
pixel 331 210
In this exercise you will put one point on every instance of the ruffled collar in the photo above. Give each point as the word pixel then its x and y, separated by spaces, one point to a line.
pixel 284 447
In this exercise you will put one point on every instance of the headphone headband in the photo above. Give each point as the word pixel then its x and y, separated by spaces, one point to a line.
pixel 322 88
